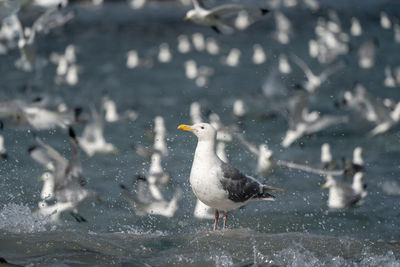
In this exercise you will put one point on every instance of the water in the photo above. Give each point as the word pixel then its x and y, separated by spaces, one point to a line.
pixel 297 229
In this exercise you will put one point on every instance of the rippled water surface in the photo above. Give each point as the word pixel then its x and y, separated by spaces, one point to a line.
pixel 297 229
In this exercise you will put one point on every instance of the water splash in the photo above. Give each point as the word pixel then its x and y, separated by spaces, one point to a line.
pixel 19 219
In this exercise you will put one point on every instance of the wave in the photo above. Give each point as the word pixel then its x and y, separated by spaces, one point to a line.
pixel 240 247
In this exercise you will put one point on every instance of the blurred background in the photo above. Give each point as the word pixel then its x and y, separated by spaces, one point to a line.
pixel 70 57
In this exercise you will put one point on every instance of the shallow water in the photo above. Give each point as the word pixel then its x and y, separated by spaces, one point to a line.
pixel 297 229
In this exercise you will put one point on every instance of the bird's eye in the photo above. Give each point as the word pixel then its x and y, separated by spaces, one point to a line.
pixel 202 127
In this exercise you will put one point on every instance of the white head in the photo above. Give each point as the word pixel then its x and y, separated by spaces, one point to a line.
pixel 190 14
pixel 203 131
pixel 330 182
pixel 47 177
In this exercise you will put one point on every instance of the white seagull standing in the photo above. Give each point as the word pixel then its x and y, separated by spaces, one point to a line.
pixel 342 195
pixel 216 183
pixel 212 17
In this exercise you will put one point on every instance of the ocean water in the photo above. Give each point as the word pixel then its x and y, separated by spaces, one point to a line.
pixel 297 229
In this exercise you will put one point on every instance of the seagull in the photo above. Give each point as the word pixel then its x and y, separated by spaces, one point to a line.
pixel 183 44
pixel 3 150
pixel 302 122
pixel 315 81
pixel 355 29
pixel 283 28
pixel 67 178
pixel 343 195
pixel 367 54
pixel 385 20
pixel 216 183
pixel 259 56
pixel 266 163
pixel 92 140
pixel 144 202
pixel 389 80
pixel 111 114
pixel 327 160
pixel 212 17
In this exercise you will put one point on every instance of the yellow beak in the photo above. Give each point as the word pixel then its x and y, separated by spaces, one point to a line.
pixel 324 186
pixel 185 127
pixel 186 18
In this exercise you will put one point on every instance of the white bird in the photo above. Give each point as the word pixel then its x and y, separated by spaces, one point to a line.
pixel 111 114
pixel 132 59
pixel 92 140
pixel 326 157
pixel 212 17
pixel 284 30
pixel 47 192
pixel 239 108
pixel 183 44
pixel 68 180
pixel 191 70
pixel 242 20
pixel 259 56
pixel 164 54
pixel 342 195
pixel 198 41
pixel 367 54
pixel 284 66
pixel 266 163
pixel 3 150
pixel 302 122
pixel 315 81
pixel 233 57
pixel 355 28
pixel 385 20
pixel 216 183
pixel 212 46
pixel 144 202
pixel 160 131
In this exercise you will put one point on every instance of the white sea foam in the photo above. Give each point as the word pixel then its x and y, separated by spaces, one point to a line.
pixel 19 219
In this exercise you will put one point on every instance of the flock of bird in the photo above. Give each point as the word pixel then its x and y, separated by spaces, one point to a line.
pixel 217 185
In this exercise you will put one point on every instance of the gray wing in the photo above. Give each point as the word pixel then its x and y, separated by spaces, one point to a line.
pixel 40 156
pixel 143 194
pixel 240 187
pixel 75 165
pixel 325 122
pixel 60 164
pixel 226 10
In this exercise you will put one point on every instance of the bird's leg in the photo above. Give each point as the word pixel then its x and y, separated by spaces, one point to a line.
pixel 216 219
pixel 225 217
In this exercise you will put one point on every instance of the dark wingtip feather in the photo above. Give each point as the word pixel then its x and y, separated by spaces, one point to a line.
pixel 31 149
pixel 71 133
pixel 264 11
